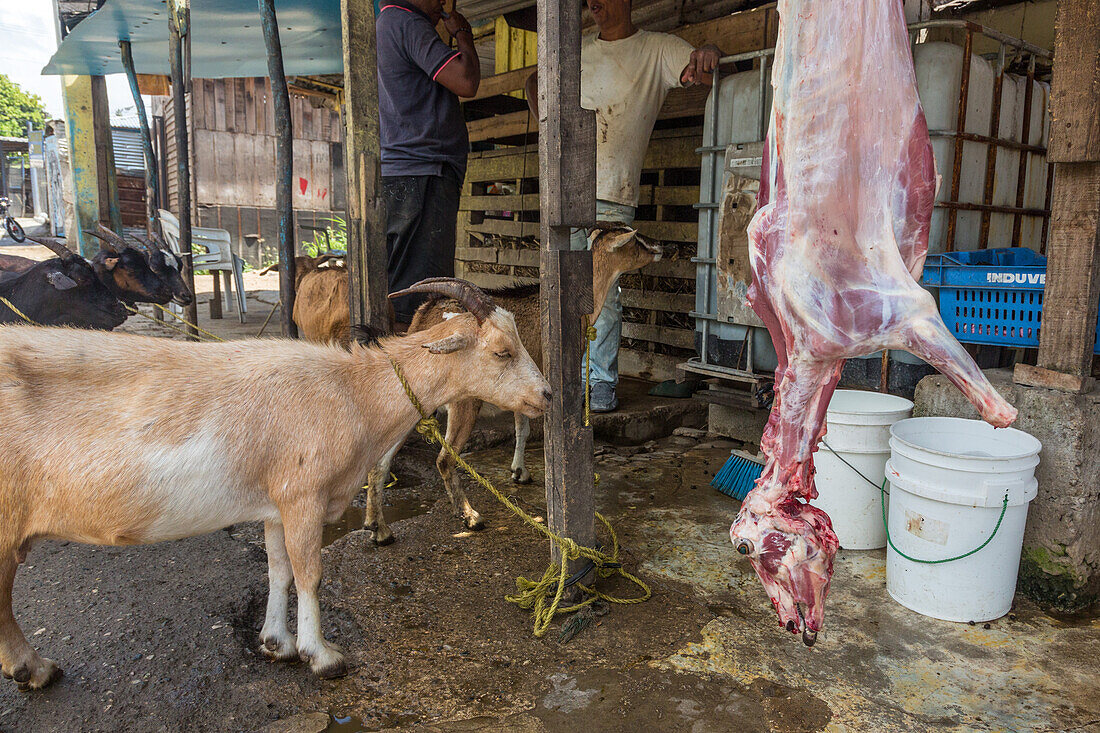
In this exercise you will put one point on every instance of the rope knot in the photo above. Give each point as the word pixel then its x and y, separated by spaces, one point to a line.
pixel 590 333
pixel 428 428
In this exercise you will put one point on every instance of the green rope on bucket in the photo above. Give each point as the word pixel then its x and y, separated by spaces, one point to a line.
pixel 1004 508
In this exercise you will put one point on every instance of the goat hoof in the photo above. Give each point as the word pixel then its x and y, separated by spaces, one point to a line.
pixel 38 675
pixel 475 523
pixel 521 475
pixel 332 671
pixel 279 650
pixel 382 539
pixel 370 526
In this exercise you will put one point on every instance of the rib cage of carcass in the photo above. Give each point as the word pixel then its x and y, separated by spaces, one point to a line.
pixel 836 246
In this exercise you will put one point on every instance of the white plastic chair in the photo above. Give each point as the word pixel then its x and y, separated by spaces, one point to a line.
pixel 219 256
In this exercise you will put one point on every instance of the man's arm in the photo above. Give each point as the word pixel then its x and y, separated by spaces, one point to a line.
pixel 462 74
pixel 703 61
pixel 532 90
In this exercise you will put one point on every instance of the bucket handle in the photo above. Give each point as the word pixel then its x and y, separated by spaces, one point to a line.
pixel 1004 508
pixel 992 486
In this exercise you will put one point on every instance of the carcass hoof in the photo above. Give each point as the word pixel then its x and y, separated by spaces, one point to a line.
pixel 521 475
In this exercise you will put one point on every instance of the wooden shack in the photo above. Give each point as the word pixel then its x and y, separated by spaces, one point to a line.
pixel 232 144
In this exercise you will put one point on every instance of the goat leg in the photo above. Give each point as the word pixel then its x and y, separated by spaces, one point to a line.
pixel 520 474
pixel 276 641
pixel 18 659
pixel 302 535
pixel 461 417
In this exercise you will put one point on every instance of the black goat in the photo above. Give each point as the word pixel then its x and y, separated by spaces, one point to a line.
pixel 133 276
pixel 63 291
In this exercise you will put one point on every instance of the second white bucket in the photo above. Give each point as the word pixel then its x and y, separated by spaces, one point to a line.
pixel 858 442
pixel 958 505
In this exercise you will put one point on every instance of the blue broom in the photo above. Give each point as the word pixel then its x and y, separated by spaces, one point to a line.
pixel 738 475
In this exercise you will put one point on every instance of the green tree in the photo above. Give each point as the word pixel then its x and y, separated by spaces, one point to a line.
pixel 17 107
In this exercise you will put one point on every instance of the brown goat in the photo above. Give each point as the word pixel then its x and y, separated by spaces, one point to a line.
pixel 105 442
pixel 615 250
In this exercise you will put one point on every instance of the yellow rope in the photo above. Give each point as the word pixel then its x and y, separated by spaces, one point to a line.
pixel 181 318
pixel 17 312
pixel 533 595
pixel 165 324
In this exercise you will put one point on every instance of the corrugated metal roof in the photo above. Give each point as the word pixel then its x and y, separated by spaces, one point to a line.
pixel 129 152
pixel 128 149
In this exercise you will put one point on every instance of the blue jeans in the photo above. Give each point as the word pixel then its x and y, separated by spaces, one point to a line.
pixel 609 324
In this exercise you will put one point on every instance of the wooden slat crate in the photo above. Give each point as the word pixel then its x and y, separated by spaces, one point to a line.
pixel 498 226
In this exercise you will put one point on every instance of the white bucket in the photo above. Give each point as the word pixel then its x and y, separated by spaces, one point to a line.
pixel 949 479
pixel 859 432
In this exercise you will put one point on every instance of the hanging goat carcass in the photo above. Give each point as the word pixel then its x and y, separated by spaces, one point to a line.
pixel 137 468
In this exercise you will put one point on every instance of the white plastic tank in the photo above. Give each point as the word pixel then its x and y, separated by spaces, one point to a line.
pixel 851 464
pixel 959 493
pixel 938 68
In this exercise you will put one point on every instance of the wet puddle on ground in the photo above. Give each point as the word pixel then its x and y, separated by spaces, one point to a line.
pixel 396 510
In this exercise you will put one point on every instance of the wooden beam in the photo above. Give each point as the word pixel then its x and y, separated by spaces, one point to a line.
pixel 567 186
pixel 363 167
pixel 1075 85
pixel 284 163
pixel 91 158
pixel 1073 271
pixel 179 53
pixel 1068 334
pixel 151 193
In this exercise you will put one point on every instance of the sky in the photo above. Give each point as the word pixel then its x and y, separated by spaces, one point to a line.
pixel 27 41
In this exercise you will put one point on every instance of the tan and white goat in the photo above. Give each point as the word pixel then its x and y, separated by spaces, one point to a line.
pixel 615 250
pixel 105 441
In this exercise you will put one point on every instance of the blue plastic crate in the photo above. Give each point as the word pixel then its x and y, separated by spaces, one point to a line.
pixel 992 296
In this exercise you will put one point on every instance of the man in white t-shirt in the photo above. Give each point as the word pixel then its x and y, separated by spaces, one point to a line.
pixel 626 74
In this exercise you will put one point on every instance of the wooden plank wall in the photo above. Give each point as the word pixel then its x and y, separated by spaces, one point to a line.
pixel 499 211
pixel 233 163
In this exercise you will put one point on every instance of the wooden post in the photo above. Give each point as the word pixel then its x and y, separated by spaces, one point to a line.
pixel 179 50
pixel 362 166
pixel 151 195
pixel 1073 253
pixel 567 194
pixel 91 157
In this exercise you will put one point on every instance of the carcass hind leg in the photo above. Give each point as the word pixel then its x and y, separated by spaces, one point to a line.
pixel 373 518
pixel 18 659
pixel 302 533
pixel 276 641
pixel 928 338
pixel 520 474
pixel 461 417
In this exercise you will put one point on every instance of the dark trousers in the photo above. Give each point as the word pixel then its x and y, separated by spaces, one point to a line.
pixel 421 214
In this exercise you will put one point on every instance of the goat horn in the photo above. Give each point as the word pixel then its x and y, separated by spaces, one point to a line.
pixel 102 232
pixel 54 246
pixel 472 298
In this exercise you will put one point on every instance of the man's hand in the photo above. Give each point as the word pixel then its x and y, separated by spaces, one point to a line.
pixel 456 22
pixel 702 62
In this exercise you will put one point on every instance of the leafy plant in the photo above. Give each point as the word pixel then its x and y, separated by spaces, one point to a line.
pixel 337 238
pixel 17 107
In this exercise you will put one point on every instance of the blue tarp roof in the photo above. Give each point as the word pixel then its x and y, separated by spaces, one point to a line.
pixel 226 39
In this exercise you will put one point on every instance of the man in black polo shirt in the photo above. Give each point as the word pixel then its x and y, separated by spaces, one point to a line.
pixel 424 139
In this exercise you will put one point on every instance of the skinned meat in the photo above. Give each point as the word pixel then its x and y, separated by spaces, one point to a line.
pixel 835 250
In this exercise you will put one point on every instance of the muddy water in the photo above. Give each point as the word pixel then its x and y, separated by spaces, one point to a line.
pixel 394 510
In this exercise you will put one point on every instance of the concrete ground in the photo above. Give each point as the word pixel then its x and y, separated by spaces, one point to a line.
pixel 163 638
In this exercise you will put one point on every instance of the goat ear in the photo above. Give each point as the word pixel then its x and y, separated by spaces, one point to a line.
pixel 110 262
pixel 449 345
pixel 61 281
pixel 616 238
